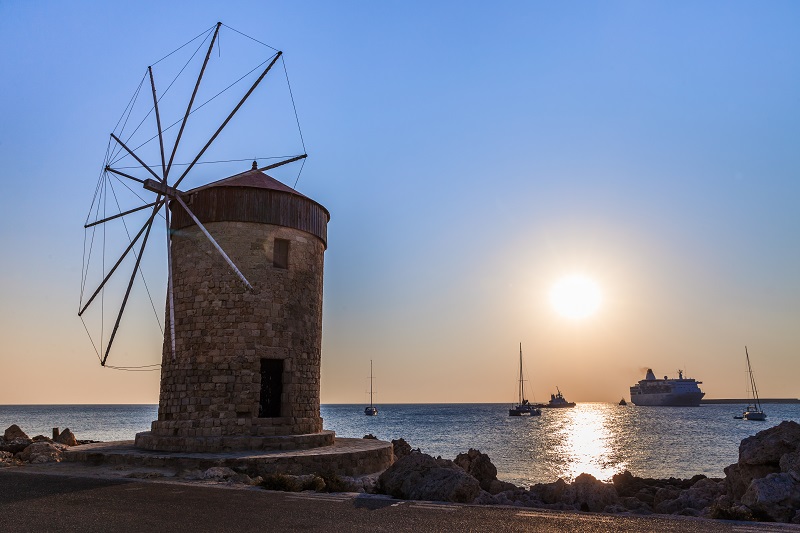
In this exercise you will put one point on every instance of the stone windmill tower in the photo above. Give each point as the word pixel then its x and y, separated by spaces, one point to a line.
pixel 245 369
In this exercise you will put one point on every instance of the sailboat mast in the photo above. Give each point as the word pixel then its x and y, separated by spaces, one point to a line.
pixel 370 382
pixel 752 381
pixel 521 381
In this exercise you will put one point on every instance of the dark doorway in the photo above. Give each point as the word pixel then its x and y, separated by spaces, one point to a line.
pixel 271 387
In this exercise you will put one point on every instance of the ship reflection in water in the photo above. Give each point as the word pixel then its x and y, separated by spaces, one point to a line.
pixel 587 443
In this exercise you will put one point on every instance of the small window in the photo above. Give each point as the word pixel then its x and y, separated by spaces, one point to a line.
pixel 280 255
pixel 269 404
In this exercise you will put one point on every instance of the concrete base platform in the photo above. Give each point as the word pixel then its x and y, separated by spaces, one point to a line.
pixel 151 441
pixel 346 457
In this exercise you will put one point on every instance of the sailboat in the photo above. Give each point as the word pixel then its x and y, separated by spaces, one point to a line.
pixel 753 411
pixel 370 410
pixel 524 407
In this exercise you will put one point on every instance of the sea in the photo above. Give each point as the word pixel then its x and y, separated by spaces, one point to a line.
pixel 600 439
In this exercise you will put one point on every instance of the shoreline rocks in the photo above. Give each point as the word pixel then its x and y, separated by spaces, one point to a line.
pixel 763 485
pixel 16 448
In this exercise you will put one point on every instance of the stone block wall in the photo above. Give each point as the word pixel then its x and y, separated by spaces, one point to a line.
pixel 223 330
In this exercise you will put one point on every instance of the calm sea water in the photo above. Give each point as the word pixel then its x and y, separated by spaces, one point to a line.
pixel 598 438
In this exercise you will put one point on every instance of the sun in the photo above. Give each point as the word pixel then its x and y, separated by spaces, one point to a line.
pixel 575 297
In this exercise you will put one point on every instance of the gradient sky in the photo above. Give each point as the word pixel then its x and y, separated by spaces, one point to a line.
pixel 470 155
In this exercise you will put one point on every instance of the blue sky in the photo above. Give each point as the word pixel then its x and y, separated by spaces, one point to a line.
pixel 470 156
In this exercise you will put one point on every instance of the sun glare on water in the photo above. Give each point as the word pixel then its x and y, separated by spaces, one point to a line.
pixel 575 297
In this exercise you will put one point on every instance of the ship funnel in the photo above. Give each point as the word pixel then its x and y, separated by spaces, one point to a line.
pixel 650 374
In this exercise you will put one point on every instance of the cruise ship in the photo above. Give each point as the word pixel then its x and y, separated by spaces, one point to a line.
pixel 653 391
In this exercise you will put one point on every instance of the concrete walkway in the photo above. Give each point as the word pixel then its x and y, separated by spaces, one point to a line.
pixel 72 497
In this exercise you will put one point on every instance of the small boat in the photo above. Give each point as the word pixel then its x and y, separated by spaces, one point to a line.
pixel 623 402
pixel 524 407
pixel 370 410
pixel 557 400
pixel 753 411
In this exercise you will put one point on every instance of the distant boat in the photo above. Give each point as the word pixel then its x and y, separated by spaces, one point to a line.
pixel 623 402
pixel 557 400
pixel 524 407
pixel 370 410
pixel 658 392
pixel 753 411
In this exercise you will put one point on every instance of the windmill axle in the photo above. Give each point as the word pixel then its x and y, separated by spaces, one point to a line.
pixel 161 188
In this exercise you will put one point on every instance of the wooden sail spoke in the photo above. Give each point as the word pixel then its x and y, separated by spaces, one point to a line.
pixel 230 116
pixel 128 290
pixel 150 170
pixel 146 225
pixel 214 242
pixel 118 215
pixel 191 100
pixel 281 163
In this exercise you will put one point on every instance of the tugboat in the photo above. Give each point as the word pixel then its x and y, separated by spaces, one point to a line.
pixel 557 400
pixel 662 392
pixel 370 410
pixel 524 407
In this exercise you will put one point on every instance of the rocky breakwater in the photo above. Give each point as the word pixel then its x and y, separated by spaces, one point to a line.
pixel 16 448
pixel 763 485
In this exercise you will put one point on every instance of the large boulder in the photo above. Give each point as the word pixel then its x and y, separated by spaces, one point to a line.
pixel 41 452
pixel 768 446
pixel 15 445
pixel 738 477
pixel 479 466
pixel 790 463
pixel 550 493
pixel 67 438
pixel 696 498
pixel 419 476
pixel 775 497
pixel 590 494
pixel 400 448
pixel 13 432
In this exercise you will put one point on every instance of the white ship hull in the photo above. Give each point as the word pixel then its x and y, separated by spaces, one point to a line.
pixel 690 399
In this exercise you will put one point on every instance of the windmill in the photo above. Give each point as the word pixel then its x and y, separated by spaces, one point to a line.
pixel 162 181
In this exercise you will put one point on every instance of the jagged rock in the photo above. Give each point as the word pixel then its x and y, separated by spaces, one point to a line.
pixel 768 446
pixel 634 504
pixel 790 463
pixel 590 494
pixel 218 473
pixel 369 436
pixel 738 477
pixel 67 438
pixel 41 452
pixel 13 432
pixel 497 486
pixel 400 448
pixel 6 459
pixel 484 498
pixel 550 492
pixel 41 438
pixel 696 498
pixel 776 497
pixel 616 508
pixel 664 495
pixel 15 445
pixel 479 466
pixel 419 476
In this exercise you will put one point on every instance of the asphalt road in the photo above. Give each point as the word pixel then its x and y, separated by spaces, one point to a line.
pixel 41 502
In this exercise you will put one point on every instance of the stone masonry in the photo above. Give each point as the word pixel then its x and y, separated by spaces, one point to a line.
pixel 211 387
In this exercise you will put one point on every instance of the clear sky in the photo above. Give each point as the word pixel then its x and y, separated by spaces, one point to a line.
pixel 471 156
